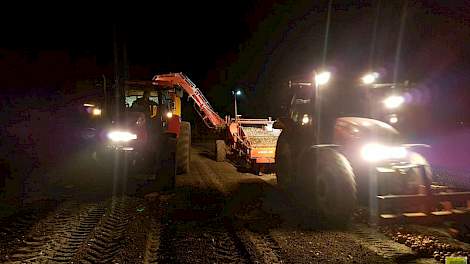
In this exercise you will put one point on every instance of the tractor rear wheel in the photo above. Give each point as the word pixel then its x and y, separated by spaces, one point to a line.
pixel 183 148
pixel 330 179
pixel 220 150
pixel 284 162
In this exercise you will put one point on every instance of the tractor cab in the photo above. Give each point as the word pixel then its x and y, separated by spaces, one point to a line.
pixel 160 105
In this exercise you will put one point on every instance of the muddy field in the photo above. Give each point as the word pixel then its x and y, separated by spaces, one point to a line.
pixel 217 214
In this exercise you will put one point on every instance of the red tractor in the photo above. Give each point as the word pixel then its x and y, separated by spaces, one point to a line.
pixel 144 136
pixel 329 165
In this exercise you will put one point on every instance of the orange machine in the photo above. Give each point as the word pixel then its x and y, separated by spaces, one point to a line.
pixel 251 141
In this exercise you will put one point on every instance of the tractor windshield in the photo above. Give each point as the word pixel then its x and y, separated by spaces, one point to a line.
pixel 133 95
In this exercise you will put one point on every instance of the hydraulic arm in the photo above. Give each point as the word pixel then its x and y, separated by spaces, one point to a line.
pixel 202 106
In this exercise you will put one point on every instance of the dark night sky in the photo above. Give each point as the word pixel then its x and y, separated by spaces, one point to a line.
pixel 191 37
pixel 171 37
pixel 253 44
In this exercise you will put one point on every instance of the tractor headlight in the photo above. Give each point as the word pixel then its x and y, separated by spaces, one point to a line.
pixel 96 111
pixel 305 119
pixel 393 101
pixel 377 152
pixel 121 136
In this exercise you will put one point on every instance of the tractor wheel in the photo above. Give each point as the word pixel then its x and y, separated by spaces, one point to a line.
pixel 220 151
pixel 330 177
pixel 284 164
pixel 183 148
pixel 166 175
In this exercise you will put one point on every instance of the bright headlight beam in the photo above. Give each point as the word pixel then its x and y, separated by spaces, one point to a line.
pixel 305 119
pixel 322 78
pixel 394 101
pixel 377 152
pixel 370 78
pixel 96 111
pixel 121 136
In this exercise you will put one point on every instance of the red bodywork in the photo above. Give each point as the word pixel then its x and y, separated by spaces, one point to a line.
pixel 173 125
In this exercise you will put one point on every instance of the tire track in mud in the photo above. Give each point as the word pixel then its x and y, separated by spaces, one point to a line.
pixel 76 234
pixel 118 230
pixel 256 247
pixel 193 229
pixel 201 243
pixel 230 243
pixel 12 230
pixel 38 246
pixel 105 242
pixel 382 245
pixel 152 243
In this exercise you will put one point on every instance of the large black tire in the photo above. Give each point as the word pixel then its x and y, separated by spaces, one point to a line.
pixel 220 150
pixel 284 162
pixel 183 148
pixel 329 178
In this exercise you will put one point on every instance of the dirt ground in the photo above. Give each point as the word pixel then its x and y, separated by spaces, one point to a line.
pixel 217 214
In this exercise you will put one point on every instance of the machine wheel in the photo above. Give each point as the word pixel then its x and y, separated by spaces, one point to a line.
pixel 183 148
pixel 330 176
pixel 284 164
pixel 220 151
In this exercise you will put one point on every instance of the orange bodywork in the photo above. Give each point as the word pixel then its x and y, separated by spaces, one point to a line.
pixel 263 154
pixel 245 137
pixel 174 124
pixel 208 115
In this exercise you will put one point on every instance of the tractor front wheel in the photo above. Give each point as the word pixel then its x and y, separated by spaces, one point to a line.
pixel 330 178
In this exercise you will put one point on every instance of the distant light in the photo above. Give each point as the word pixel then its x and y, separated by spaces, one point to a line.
pixel 88 105
pixel 393 120
pixel 394 101
pixel 238 92
pixel 96 111
pixel 169 114
pixel 305 119
pixel 322 78
pixel 370 78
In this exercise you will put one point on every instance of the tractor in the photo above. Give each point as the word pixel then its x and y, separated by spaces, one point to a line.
pixel 150 140
pixel 329 163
